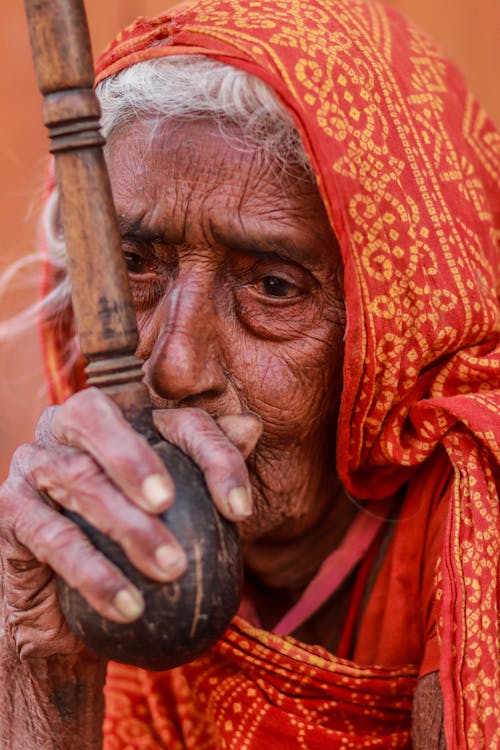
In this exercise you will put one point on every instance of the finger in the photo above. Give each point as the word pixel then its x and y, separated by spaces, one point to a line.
pixel 224 468
pixel 76 483
pixel 243 430
pixel 56 541
pixel 91 422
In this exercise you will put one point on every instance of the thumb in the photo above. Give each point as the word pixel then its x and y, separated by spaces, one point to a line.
pixel 243 430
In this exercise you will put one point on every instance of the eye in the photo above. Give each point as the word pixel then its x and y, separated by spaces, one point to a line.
pixel 275 286
pixel 135 264
pixel 138 263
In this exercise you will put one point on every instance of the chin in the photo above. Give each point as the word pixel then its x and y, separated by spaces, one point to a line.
pixel 270 524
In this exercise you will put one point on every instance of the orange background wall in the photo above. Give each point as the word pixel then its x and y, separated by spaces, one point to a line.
pixel 468 29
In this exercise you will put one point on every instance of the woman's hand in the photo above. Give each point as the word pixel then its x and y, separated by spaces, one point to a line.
pixel 86 458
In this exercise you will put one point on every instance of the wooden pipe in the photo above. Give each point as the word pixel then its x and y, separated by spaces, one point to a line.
pixel 182 619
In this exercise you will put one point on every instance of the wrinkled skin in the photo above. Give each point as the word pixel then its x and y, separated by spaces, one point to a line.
pixel 235 274
pixel 236 277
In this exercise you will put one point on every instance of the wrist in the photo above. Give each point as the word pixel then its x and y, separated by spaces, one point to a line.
pixel 51 702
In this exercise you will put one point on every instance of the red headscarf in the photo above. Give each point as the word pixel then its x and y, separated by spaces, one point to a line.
pixel 408 166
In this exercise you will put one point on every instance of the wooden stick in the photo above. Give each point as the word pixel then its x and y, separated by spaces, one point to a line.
pixel 101 296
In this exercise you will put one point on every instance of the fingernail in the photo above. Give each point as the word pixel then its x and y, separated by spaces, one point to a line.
pixel 156 491
pixel 129 603
pixel 239 503
pixel 170 559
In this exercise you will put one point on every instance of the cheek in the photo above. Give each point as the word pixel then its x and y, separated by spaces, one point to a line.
pixel 293 386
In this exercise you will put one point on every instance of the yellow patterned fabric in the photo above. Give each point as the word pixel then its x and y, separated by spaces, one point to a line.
pixel 408 165
pixel 258 691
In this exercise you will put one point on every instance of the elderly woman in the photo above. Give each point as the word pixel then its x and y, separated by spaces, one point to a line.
pixel 307 196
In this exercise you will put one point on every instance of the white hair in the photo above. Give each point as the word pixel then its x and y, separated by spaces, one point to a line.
pixel 177 87
pixel 193 86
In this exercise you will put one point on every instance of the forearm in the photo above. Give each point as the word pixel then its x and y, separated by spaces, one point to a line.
pixel 52 704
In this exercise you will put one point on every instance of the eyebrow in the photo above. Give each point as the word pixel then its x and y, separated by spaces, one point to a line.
pixel 136 228
pixel 266 246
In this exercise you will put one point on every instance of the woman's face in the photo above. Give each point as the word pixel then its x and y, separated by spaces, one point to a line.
pixel 236 278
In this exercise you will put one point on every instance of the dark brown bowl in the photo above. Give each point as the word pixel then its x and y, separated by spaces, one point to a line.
pixel 182 619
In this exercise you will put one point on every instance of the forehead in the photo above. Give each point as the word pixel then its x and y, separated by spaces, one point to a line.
pixel 202 153
pixel 183 175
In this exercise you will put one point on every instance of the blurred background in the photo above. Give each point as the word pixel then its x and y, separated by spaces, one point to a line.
pixel 469 30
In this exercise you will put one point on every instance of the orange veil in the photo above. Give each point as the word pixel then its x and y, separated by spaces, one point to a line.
pixel 408 166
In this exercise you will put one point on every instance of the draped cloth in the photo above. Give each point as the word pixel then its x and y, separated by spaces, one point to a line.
pixel 408 166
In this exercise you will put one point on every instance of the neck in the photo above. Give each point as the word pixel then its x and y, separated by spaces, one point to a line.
pixel 288 562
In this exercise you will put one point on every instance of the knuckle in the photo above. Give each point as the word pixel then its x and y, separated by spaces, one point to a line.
pixel 72 412
pixel 79 468
pixel 29 467
pixel 202 423
pixel 85 398
pixel 143 530
pixel 54 538
pixel 92 400
pixel 21 459
pixel 95 574
pixel 44 426
pixel 63 470
pixel 227 457
pixel 227 466
pixel 132 529
pixel 130 451
pixel 95 577
pixel 77 415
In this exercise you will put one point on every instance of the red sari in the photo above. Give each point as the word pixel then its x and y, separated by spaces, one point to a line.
pixel 408 167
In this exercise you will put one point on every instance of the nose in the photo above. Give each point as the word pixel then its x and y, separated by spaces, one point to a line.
pixel 185 358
